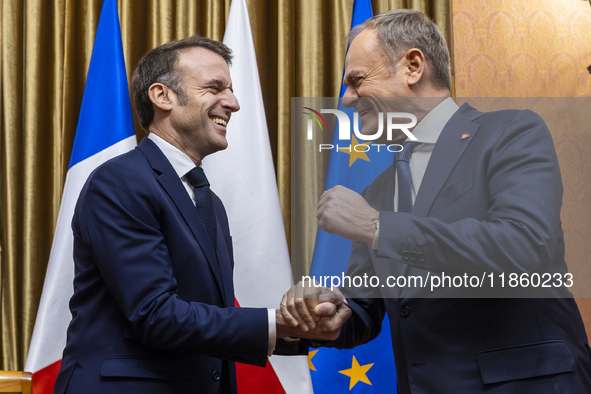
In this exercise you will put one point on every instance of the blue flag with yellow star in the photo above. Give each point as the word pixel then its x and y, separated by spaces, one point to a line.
pixel 368 368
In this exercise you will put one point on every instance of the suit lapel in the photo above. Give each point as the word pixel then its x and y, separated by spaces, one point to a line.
pixel 449 148
pixel 169 180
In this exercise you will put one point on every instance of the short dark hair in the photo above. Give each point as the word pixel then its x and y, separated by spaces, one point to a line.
pixel 403 29
pixel 161 65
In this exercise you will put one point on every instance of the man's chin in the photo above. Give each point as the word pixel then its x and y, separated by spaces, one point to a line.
pixel 221 142
pixel 218 146
pixel 370 131
pixel 369 127
pixel 223 145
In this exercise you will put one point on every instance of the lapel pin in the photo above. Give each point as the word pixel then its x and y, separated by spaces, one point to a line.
pixel 465 135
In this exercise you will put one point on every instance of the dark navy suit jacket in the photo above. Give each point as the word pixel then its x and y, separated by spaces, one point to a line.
pixel 152 310
pixel 487 203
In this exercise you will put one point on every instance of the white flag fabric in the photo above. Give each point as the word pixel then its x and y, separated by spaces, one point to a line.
pixel 243 177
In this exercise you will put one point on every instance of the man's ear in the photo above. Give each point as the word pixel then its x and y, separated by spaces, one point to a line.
pixel 161 96
pixel 415 61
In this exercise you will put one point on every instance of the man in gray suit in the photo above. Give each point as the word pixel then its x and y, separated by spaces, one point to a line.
pixel 484 195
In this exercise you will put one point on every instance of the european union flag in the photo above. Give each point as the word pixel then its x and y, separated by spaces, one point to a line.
pixel 368 368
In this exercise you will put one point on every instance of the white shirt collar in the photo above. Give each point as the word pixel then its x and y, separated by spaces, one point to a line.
pixel 429 129
pixel 177 158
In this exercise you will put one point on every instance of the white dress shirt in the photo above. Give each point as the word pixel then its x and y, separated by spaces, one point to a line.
pixel 427 133
pixel 182 164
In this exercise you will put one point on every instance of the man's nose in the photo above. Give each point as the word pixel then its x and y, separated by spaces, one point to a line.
pixel 350 97
pixel 230 101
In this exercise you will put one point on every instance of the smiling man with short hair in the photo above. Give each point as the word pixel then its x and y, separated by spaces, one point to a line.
pixel 482 194
pixel 153 305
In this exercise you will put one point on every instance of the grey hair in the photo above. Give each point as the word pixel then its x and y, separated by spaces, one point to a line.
pixel 403 29
pixel 161 65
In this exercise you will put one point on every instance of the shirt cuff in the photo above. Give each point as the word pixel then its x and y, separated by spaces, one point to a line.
pixel 272 331
pixel 376 238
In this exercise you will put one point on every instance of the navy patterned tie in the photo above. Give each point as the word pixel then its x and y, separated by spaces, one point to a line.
pixel 203 201
pixel 404 180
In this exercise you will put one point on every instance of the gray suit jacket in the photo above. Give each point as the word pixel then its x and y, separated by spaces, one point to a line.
pixel 489 203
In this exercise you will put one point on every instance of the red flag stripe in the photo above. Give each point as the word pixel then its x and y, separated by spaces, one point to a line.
pixel 254 380
pixel 44 379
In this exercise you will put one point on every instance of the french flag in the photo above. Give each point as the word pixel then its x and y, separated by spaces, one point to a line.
pixel 105 130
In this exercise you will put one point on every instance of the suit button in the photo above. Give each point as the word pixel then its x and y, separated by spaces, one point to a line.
pixel 215 376
pixel 404 311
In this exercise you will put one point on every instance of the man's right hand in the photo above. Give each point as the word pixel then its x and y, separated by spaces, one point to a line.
pixel 312 312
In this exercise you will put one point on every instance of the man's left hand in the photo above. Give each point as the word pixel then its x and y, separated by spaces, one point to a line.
pixel 344 212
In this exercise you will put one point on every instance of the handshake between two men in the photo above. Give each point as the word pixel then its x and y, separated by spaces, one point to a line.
pixel 309 310
pixel 312 312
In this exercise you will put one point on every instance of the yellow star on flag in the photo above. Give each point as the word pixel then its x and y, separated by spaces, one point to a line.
pixel 356 151
pixel 310 355
pixel 357 373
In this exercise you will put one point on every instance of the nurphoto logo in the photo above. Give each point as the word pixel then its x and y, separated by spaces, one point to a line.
pixel 345 132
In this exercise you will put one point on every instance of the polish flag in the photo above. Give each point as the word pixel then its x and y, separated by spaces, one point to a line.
pixel 244 178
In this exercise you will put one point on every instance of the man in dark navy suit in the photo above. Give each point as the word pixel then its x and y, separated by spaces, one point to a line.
pixel 483 196
pixel 152 310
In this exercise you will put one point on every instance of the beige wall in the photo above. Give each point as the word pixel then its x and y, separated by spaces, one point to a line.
pixel 522 48
pixel 536 48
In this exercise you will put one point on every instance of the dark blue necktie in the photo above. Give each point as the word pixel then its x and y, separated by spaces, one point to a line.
pixel 203 201
pixel 402 160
